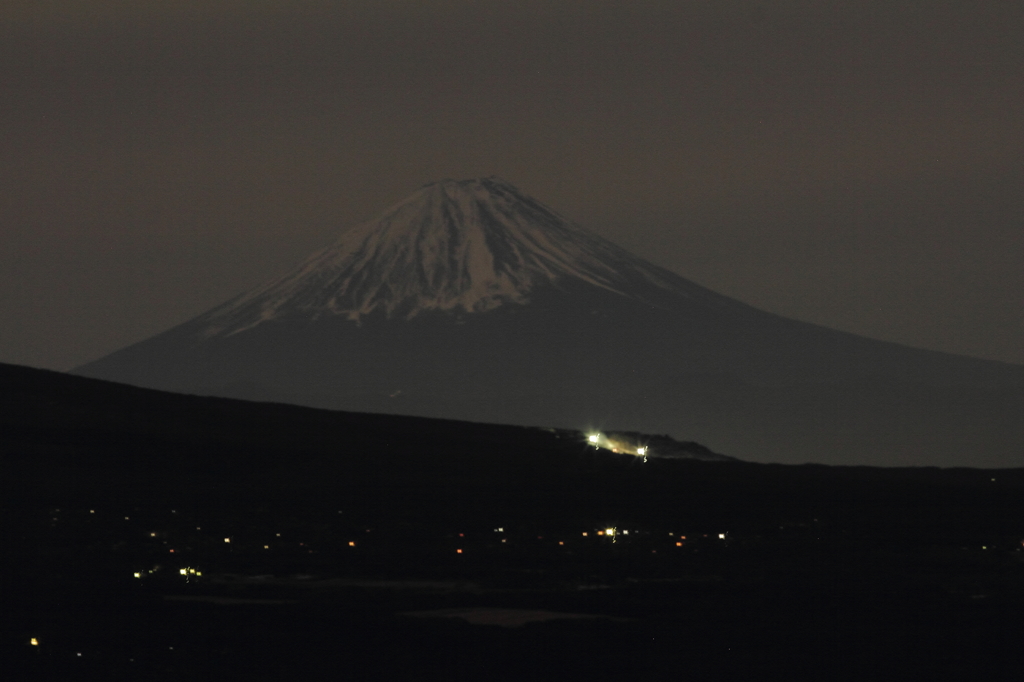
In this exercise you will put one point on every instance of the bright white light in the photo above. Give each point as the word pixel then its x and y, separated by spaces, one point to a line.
pixel 609 531
pixel 137 574
pixel 34 641
pixel 625 532
pixel 227 539
pixel 183 571
pixel 593 438
pixel 641 451
pixel 721 536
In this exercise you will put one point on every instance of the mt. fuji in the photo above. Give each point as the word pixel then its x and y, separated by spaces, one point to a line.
pixel 470 300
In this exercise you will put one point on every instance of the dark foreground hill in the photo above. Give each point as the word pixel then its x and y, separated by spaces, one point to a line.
pixel 69 437
pixel 154 536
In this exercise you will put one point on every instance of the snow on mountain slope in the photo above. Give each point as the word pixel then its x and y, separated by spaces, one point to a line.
pixel 453 246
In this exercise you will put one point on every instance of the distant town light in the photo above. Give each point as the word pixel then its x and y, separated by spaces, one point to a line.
pixel 137 574
pixel 458 551
pixel 721 536
pixel 227 539
pixel 584 533
pixel 92 511
pixel 625 532
pixel 593 438
pixel 609 531
pixel 34 641
pixel 351 543
pixel 183 571
pixel 560 542
pixel 641 451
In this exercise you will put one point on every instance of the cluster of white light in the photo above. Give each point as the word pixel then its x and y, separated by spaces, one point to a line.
pixel 598 440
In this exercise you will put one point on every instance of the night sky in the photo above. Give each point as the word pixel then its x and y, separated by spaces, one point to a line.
pixel 855 164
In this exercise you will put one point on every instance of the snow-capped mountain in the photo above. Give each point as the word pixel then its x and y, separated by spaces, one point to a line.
pixel 471 300
pixel 456 247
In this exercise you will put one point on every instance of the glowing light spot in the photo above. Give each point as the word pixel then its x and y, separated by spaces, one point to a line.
pixel 137 574
pixel 152 535
pixel 625 532
pixel 34 641
pixel 92 511
pixel 227 540
pixel 679 544
pixel 600 532
pixel 584 534
pixel 721 536
pixel 609 531
pixel 183 571
pixel 458 551
pixel 641 451
pixel 266 546
pixel 560 542
pixel 593 438
pixel 352 543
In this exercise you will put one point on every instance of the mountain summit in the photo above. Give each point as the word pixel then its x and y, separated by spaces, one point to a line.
pixel 465 246
pixel 470 300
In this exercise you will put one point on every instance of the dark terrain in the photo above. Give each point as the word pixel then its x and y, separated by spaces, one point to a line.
pixel 339 525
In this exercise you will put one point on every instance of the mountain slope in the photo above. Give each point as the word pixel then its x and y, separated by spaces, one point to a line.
pixel 471 300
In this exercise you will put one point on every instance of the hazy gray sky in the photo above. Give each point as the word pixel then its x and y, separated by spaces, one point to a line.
pixel 855 164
